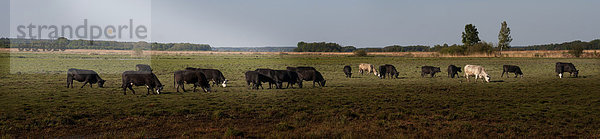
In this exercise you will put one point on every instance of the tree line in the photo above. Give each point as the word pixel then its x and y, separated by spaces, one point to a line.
pixel 63 43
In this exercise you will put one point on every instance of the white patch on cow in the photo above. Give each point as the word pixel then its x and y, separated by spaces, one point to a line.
pixel 131 84
pixel 224 85
pixel 147 86
pixel 158 91
pixel 560 75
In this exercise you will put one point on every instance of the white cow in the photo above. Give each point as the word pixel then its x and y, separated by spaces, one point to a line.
pixel 364 67
pixel 478 71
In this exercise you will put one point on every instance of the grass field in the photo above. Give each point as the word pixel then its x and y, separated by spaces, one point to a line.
pixel 538 105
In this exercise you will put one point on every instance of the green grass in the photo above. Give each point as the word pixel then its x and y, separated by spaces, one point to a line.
pixel 538 105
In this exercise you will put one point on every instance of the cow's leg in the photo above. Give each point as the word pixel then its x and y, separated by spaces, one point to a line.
pixel 69 80
pixel 560 75
pixel 90 85
pixel 85 82
pixel 183 87
pixel 131 88
pixel 432 74
pixel 502 73
pixel 124 89
pixel 467 76
pixel 147 90
pixel 195 88
pixel 177 87
pixel 516 75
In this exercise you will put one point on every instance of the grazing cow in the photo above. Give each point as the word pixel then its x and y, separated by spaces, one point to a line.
pixel 566 67
pixel 288 76
pixel 256 79
pixel 312 75
pixel 348 71
pixel 429 70
pixel 189 76
pixel 85 76
pixel 453 70
pixel 268 73
pixel 478 71
pixel 213 75
pixel 139 78
pixel 363 67
pixel 511 68
pixel 388 69
pixel 143 67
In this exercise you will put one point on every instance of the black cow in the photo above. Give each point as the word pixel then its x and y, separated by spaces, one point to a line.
pixel 139 78
pixel 213 75
pixel 312 75
pixel 388 69
pixel 143 67
pixel 268 73
pixel 348 71
pixel 453 70
pixel 288 76
pixel 85 76
pixel 429 70
pixel 566 67
pixel 195 77
pixel 511 68
pixel 256 79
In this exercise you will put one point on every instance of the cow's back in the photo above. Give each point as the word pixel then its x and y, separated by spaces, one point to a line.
pixel 474 69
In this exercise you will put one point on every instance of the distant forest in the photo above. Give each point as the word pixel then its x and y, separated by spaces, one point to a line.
pixel 334 47
pixel 301 46
pixel 63 43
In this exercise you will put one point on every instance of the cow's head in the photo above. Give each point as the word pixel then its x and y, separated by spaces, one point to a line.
pixel 437 69
pixel 158 89
pixel 458 69
pixel 322 83
pixel 576 73
pixel 487 78
pixel 101 83
pixel 224 84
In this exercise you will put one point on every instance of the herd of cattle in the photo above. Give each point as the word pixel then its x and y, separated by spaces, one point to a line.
pixel 291 75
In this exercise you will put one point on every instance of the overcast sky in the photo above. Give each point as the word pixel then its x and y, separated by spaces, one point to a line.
pixel 358 23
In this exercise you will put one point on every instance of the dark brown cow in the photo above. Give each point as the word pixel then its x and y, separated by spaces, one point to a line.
pixel 85 76
pixel 312 75
pixel 195 77
pixel 140 78
pixel 566 67
pixel 511 68
pixel 255 79
pixel 453 70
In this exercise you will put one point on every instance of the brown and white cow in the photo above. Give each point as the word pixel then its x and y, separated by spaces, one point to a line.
pixel 476 70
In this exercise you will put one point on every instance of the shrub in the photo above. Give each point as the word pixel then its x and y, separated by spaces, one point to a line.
pixel 360 53
pixel 576 51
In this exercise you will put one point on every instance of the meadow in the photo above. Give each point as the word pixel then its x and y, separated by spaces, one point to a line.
pixel 37 104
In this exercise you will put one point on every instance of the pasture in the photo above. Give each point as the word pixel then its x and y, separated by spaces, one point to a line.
pixel 538 105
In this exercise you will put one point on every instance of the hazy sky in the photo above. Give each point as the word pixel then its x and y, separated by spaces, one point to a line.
pixel 359 23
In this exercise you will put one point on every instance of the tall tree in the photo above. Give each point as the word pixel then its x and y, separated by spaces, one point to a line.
pixel 504 38
pixel 470 36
